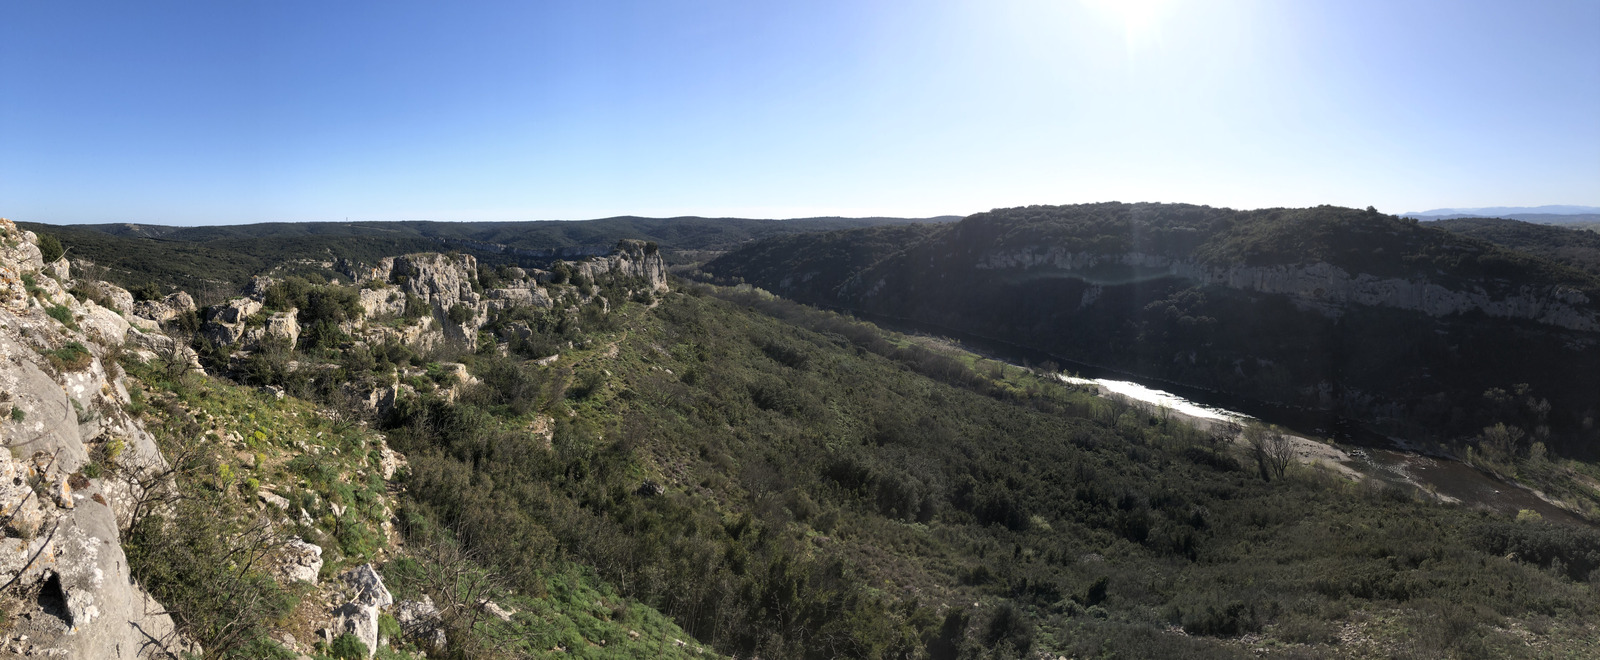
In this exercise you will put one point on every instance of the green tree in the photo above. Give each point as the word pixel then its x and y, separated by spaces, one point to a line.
pixel 50 247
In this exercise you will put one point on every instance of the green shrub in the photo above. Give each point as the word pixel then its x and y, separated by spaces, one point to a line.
pixel 83 293
pixel 266 649
pixel 416 308
pixel 388 627
pixel 50 247
pixel 347 647
pixel 18 414
pixel 71 357
pixel 1573 551
pixel 63 314
pixel 145 291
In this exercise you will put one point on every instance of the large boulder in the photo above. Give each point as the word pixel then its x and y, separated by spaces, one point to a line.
pixel 60 269
pixel 282 326
pixel 368 596
pixel 360 620
pixel 117 297
pixel 420 622
pixel 367 586
pixel 105 325
pixel 301 561
pixel 165 309
pixel 154 345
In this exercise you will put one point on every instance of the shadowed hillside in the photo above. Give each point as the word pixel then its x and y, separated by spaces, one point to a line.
pixel 1575 247
pixel 1358 314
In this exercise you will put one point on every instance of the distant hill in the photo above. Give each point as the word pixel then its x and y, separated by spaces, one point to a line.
pixel 1501 211
pixel 685 233
pixel 1546 215
pixel 223 258
pixel 1366 316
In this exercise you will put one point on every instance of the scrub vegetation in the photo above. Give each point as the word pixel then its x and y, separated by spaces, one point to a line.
pixel 789 483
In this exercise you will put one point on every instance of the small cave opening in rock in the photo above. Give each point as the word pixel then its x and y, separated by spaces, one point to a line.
pixel 53 599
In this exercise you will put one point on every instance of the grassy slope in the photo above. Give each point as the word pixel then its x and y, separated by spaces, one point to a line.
pixel 829 492
pixel 230 440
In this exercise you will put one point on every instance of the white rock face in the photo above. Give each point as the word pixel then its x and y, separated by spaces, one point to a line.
pixel 359 620
pixel 359 617
pixel 388 301
pixel 630 259
pixel 119 297
pixel 154 345
pixel 19 249
pixel 368 586
pixel 65 544
pixel 302 561
pixel 226 323
pixel 59 269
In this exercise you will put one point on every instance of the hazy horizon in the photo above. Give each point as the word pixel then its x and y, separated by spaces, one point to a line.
pixel 190 113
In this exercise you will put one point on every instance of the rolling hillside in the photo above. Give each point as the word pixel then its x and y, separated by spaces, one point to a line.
pixel 1402 325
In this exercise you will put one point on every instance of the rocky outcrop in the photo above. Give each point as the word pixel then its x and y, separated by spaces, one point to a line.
pixel 165 309
pixel 19 249
pixel 154 345
pixel 280 325
pixel 382 303
pixel 57 401
pixel 419 621
pixel 437 279
pixel 241 322
pixel 118 297
pixel 519 295
pixel 368 597
pixel 1321 286
pixel 632 259
pixel 301 561
pixel 226 323
pixel 60 269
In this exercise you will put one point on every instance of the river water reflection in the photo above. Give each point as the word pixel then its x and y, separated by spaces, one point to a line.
pixel 1375 456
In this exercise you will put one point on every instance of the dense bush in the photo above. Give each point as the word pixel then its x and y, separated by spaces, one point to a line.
pixel 1566 549
pixel 50 247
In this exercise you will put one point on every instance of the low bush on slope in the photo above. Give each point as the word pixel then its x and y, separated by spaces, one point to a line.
pixel 789 483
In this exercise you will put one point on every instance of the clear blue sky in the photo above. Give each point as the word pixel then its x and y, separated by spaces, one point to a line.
pixel 235 111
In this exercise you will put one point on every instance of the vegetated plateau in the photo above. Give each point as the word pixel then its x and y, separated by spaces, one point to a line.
pixel 574 454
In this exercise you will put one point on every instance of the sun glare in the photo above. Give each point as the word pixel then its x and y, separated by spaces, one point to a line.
pixel 1138 18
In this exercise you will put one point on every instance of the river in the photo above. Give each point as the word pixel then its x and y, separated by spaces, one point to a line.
pixel 1364 453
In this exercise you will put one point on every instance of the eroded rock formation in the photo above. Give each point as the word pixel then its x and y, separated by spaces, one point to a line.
pixel 59 405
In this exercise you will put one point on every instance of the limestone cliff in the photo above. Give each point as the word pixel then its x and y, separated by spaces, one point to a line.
pixel 62 406
pixel 631 258
pixel 1323 286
